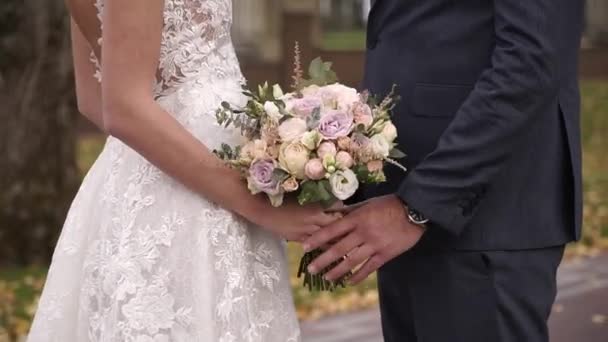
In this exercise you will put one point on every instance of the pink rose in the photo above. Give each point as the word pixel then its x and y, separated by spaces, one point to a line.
pixel 335 124
pixel 314 169
pixel 362 114
pixel 290 184
pixel 344 160
pixel 326 148
pixel 375 165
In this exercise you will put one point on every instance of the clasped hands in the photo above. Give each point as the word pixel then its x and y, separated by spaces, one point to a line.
pixel 369 235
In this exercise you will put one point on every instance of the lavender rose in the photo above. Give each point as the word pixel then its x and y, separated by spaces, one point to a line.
pixel 305 106
pixel 336 124
pixel 261 177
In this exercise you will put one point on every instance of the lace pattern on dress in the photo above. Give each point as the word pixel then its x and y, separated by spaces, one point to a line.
pixel 143 259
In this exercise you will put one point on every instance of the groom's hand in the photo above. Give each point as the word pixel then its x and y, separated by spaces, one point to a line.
pixel 371 235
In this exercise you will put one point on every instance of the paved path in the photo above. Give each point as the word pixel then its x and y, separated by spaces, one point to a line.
pixel 580 313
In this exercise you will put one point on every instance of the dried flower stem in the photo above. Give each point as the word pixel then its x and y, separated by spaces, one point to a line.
pixel 298 71
pixel 395 163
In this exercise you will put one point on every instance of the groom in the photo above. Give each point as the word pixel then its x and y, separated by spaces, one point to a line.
pixel 469 241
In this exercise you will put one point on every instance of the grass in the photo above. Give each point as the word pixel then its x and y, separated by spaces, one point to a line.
pixel 594 127
pixel 19 288
pixel 344 40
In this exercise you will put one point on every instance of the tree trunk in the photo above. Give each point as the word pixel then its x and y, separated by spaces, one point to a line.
pixel 38 172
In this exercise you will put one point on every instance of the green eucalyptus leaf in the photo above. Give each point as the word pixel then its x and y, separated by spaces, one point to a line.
pixel 312 121
pixel 308 193
pixel 395 153
pixel 280 175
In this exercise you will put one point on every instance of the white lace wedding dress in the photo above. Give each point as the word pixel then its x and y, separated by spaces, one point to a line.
pixel 143 259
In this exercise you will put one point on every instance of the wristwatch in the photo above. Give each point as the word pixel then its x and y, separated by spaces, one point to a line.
pixel 414 216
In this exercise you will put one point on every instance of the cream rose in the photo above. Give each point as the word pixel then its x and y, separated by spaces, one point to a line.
pixel 293 158
pixel 389 132
pixel 292 129
pixel 379 147
pixel 253 150
pixel 343 184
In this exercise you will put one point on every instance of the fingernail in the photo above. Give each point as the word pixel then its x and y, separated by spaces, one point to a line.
pixel 312 269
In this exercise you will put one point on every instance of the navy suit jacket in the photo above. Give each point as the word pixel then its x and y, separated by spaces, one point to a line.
pixel 489 117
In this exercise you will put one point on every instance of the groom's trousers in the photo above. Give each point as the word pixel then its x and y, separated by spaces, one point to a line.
pixel 454 296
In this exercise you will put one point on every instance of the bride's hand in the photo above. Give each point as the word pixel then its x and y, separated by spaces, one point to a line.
pixel 295 222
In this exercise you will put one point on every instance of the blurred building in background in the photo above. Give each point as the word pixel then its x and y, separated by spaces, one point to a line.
pixel 265 32
pixel 596 30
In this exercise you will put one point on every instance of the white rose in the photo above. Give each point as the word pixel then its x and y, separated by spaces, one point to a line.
pixel 273 111
pixel 379 147
pixel 312 90
pixel 311 140
pixel 345 96
pixel 277 92
pixel 293 158
pixel 292 129
pixel 389 132
pixel 343 184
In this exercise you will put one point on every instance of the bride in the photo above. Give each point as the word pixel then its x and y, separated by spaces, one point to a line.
pixel 163 242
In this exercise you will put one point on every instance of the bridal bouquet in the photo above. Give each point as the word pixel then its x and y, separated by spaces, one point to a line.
pixel 317 143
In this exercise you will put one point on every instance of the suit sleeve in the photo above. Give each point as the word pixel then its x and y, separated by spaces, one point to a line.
pixel 487 129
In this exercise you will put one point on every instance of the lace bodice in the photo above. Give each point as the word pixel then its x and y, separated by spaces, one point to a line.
pixel 196 44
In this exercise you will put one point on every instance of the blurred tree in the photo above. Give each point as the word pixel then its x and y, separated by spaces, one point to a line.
pixel 38 173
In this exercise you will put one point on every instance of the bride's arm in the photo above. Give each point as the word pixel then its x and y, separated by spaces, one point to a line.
pixel 88 89
pixel 130 54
